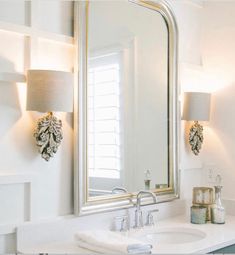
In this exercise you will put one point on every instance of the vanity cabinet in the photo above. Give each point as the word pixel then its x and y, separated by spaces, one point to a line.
pixel 226 250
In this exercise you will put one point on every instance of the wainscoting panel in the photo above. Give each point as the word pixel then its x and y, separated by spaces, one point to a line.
pixel 33 35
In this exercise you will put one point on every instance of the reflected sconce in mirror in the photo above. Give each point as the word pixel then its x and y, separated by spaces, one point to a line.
pixel 196 108
pixel 49 91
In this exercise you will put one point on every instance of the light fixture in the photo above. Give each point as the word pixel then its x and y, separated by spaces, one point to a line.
pixel 49 91
pixel 196 108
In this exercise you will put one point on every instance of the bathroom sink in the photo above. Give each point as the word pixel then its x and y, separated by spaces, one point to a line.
pixel 170 235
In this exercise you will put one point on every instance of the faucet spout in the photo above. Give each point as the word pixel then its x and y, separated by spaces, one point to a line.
pixel 117 190
pixel 138 212
pixel 144 193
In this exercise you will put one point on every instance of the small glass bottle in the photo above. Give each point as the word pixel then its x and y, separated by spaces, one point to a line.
pixel 217 210
pixel 147 180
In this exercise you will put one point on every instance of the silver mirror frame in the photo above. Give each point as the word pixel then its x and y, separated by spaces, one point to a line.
pixel 83 206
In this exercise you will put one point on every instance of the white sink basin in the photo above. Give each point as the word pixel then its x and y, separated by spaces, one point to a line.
pixel 170 235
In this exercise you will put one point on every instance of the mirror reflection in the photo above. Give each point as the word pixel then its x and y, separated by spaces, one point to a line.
pixel 127 99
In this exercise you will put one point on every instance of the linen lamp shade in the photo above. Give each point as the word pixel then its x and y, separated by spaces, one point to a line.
pixel 196 106
pixel 49 91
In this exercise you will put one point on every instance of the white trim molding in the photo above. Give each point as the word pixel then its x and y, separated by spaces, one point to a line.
pixel 195 3
pixel 12 77
pixel 26 179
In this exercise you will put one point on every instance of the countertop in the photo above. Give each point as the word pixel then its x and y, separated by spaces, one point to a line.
pixel 217 237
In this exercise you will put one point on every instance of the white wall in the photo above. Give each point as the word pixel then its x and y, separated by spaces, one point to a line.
pixel 207 60
pixel 31 188
pixel 189 19
pixel 218 54
pixel 206 36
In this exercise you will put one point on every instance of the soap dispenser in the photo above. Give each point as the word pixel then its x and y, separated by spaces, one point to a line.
pixel 217 210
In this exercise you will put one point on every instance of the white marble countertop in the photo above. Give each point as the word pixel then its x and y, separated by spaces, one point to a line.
pixel 217 237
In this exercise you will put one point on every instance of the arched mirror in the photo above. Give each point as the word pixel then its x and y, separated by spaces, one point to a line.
pixel 126 105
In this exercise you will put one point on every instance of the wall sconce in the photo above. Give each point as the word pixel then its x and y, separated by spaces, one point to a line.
pixel 196 108
pixel 49 91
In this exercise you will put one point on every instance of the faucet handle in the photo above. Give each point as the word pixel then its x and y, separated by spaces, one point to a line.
pixel 122 223
pixel 138 219
pixel 125 224
pixel 152 211
pixel 150 219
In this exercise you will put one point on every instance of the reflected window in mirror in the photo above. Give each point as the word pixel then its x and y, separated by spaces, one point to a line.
pixel 127 98
pixel 104 123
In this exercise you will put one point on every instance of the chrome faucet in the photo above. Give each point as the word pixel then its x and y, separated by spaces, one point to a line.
pixel 117 190
pixel 138 213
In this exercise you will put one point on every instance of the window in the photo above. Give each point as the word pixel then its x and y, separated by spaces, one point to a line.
pixel 104 159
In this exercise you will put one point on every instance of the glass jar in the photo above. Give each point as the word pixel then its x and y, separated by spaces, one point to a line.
pixel 217 209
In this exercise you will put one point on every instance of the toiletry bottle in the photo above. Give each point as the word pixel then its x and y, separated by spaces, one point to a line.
pixel 147 180
pixel 217 210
